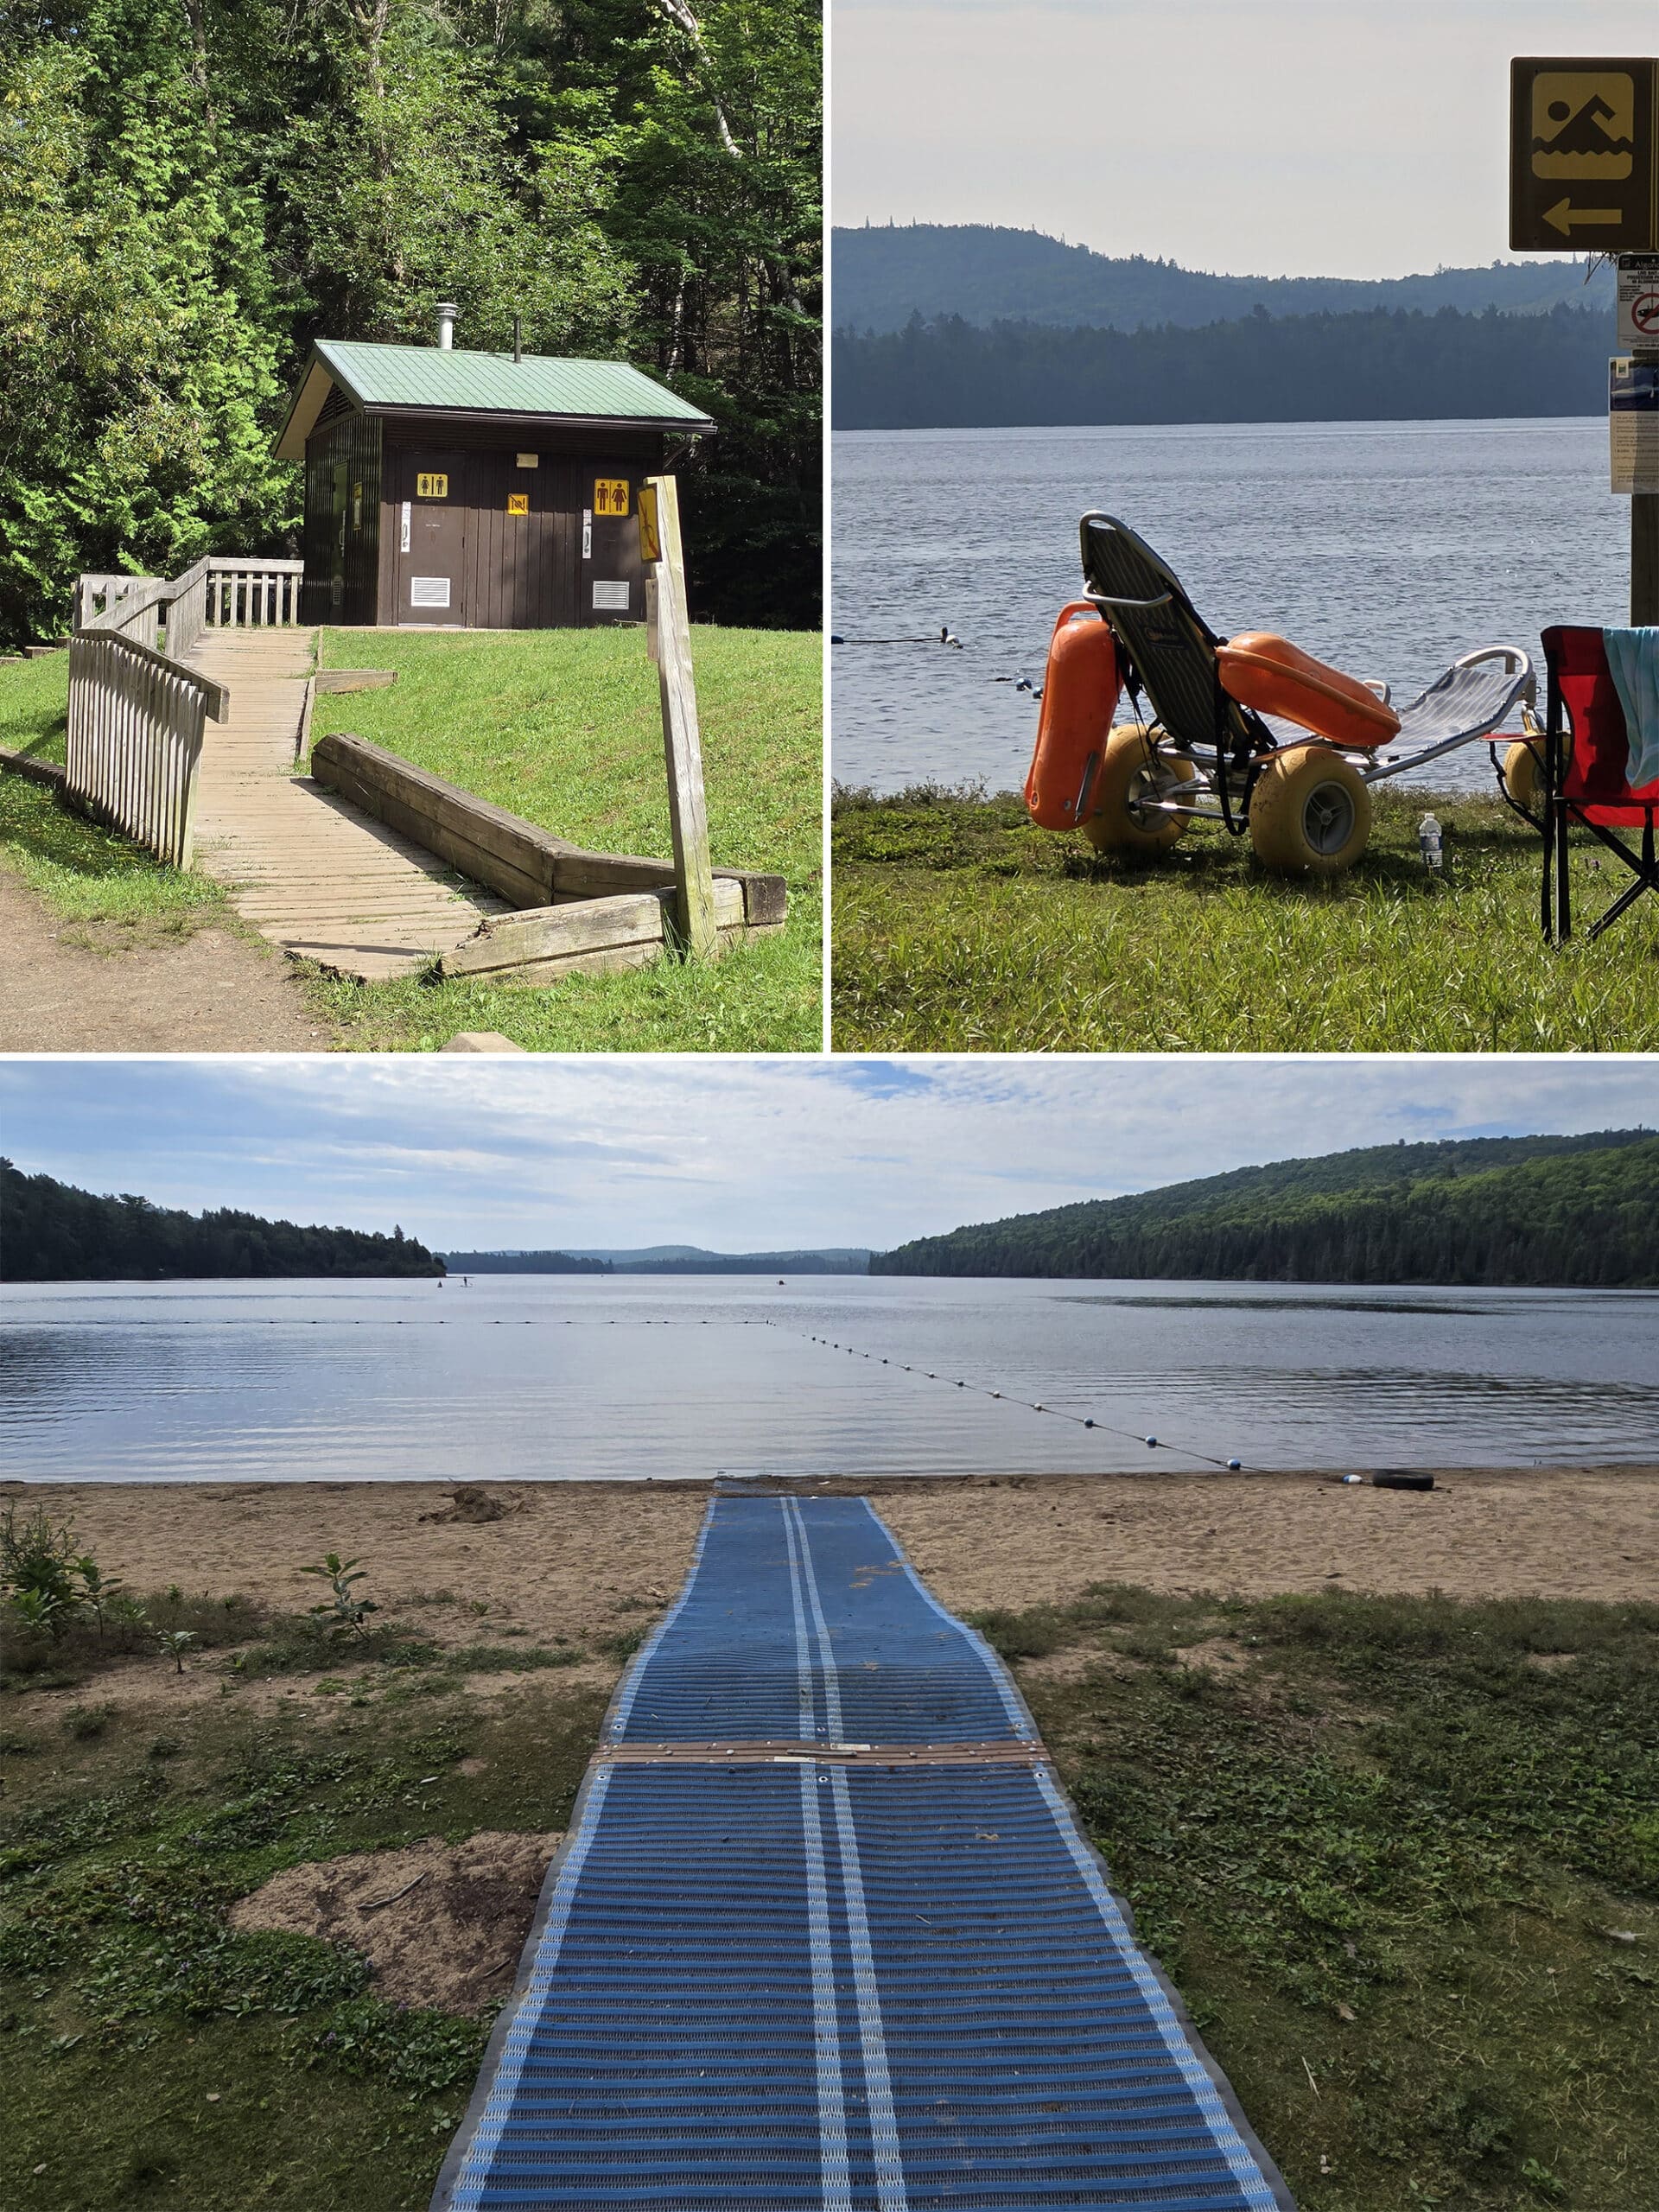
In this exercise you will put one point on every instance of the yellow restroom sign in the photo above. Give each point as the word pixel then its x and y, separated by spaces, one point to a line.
pixel 429 486
pixel 611 495
pixel 517 503
pixel 1583 155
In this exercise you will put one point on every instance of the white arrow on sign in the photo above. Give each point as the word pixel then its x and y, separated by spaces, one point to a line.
pixel 1563 215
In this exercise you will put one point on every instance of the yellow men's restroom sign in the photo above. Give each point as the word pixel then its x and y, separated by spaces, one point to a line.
pixel 1583 155
pixel 429 486
pixel 517 503
pixel 611 495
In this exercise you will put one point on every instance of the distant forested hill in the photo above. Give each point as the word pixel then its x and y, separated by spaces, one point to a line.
pixel 51 1232
pixel 1371 366
pixel 883 277
pixel 1580 1210
pixel 522 1263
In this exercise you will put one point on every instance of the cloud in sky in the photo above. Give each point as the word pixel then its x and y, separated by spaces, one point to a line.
pixel 1264 137
pixel 744 1153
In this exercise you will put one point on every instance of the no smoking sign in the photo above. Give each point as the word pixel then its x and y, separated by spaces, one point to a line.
pixel 1638 303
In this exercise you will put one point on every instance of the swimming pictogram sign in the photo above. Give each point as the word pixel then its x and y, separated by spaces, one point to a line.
pixel 1583 155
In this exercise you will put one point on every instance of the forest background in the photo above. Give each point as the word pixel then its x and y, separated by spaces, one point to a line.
pixel 193 191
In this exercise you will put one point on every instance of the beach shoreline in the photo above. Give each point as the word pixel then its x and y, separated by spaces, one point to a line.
pixel 582 1558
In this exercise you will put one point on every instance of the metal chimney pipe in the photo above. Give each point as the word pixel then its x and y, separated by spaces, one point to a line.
pixel 518 338
pixel 447 313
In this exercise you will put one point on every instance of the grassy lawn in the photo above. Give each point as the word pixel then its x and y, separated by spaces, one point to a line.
pixel 1379 1845
pixel 1392 1852
pixel 155 2057
pixel 33 706
pixel 564 727
pixel 959 927
pixel 114 892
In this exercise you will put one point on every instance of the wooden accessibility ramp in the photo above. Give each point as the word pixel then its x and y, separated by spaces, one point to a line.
pixel 825 1935
pixel 312 873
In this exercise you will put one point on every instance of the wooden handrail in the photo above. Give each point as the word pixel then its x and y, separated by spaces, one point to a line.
pixel 137 712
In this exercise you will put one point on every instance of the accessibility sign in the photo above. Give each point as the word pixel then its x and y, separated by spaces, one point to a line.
pixel 1638 303
pixel 1583 155
pixel 1633 425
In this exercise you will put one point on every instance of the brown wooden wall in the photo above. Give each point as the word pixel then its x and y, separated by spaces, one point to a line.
pixel 516 571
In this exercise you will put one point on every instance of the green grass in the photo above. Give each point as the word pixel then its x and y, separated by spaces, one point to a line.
pixel 564 727
pixel 1382 1841
pixel 155 2059
pixel 35 705
pixel 959 927
pixel 114 894
pixel 1377 1841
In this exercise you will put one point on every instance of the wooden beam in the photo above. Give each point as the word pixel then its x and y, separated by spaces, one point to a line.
pixel 688 813
pixel 596 935
pixel 495 848
pixel 524 863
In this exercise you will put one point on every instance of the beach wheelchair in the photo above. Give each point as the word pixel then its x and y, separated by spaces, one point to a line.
pixel 1247 731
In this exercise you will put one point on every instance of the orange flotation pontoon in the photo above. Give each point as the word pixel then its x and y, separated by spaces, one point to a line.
pixel 1276 678
pixel 1080 691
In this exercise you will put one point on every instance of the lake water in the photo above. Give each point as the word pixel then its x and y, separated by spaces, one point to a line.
pixel 560 1377
pixel 1387 548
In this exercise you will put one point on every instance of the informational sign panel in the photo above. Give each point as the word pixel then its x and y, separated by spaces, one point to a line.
pixel 1583 155
pixel 611 495
pixel 431 487
pixel 517 503
pixel 1638 303
pixel 1633 424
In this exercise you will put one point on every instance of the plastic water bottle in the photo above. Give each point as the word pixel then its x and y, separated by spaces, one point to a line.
pixel 1428 844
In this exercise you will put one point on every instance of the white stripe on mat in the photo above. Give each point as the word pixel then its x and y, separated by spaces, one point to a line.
pixel 884 2125
pixel 487 2138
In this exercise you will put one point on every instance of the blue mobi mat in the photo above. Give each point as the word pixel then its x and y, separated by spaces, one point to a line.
pixel 826 1933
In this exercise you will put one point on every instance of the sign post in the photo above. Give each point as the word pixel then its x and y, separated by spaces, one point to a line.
pixel 669 638
pixel 1584 173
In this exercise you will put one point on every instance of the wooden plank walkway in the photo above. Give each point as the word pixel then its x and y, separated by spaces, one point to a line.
pixel 311 873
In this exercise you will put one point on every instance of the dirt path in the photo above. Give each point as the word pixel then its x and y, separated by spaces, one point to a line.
pixel 213 992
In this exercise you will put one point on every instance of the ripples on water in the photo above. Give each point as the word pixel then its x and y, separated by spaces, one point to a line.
pixel 1387 548
pixel 563 1378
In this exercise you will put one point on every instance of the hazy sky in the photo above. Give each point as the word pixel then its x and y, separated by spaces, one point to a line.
pixel 742 1154
pixel 1261 137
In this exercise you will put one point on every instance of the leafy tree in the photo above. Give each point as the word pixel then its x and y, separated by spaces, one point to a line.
pixel 191 194
pixel 1581 1211
pixel 54 1233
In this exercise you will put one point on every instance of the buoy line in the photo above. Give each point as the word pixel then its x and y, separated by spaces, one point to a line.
pixel 853 1352
pixel 1031 1405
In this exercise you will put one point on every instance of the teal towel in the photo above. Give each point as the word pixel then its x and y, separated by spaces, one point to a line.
pixel 1633 659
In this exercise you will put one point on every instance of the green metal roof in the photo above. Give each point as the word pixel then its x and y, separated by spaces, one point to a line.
pixel 481 384
pixel 381 379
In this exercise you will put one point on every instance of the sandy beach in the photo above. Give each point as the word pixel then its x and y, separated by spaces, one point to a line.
pixel 583 1560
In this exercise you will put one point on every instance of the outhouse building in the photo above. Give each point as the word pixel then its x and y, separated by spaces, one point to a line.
pixel 479 491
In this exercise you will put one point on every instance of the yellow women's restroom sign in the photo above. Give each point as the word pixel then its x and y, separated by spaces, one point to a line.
pixel 431 487
pixel 611 495
pixel 1583 155
pixel 517 503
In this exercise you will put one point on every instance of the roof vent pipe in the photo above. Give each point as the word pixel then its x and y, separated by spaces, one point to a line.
pixel 447 313
pixel 518 338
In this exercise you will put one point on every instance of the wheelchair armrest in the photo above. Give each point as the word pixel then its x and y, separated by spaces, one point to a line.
pixel 1517 662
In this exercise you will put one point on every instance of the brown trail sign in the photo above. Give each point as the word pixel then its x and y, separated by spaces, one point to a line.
pixel 1583 155
pixel 1584 173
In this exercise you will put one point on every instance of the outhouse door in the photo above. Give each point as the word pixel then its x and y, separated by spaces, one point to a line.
pixel 432 539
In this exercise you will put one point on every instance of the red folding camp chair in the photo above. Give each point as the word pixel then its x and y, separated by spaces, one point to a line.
pixel 1589 783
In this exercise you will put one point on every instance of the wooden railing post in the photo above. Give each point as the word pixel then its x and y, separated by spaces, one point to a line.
pixel 670 642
